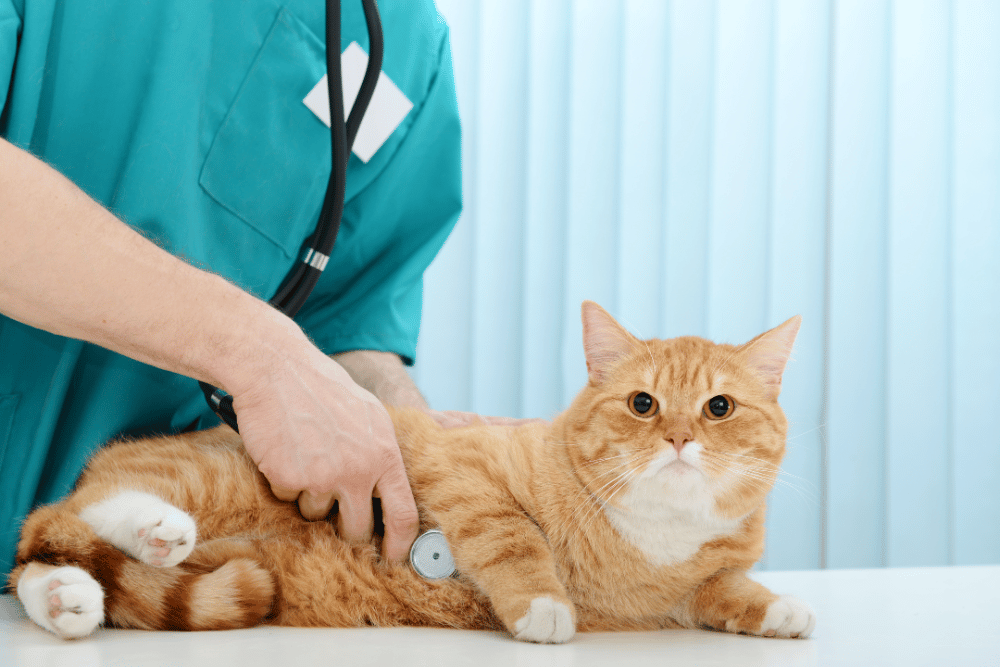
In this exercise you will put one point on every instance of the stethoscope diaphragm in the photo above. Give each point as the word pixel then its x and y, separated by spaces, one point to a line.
pixel 430 556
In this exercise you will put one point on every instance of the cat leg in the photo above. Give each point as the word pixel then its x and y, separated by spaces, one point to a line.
pixel 64 600
pixel 144 526
pixel 730 601
pixel 788 617
pixel 505 553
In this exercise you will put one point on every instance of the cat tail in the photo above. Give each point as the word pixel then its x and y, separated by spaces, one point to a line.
pixel 222 585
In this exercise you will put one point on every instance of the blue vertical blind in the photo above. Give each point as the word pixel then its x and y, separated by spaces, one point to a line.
pixel 713 168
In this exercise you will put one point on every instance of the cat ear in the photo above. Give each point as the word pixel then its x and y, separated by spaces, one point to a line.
pixel 604 341
pixel 768 353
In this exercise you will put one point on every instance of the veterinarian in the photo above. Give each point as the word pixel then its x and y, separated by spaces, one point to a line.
pixel 158 174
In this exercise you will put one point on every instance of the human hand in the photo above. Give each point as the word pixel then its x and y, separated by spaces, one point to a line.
pixel 318 438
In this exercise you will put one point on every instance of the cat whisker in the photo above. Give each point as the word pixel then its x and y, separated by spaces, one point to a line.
pixel 752 467
pixel 584 492
pixel 596 494
pixel 748 478
pixel 586 510
pixel 606 458
pixel 622 481
pixel 799 435
pixel 748 472
pixel 756 462
pixel 753 476
pixel 780 471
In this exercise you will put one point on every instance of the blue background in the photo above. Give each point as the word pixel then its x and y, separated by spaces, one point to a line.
pixel 713 168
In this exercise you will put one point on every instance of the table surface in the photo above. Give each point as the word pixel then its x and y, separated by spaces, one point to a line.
pixel 907 616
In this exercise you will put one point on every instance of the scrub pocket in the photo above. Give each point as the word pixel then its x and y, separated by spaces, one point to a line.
pixel 8 405
pixel 270 160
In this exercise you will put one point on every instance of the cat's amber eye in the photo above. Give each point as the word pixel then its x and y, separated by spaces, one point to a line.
pixel 719 407
pixel 642 404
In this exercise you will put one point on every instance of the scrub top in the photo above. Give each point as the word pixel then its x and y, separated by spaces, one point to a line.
pixel 185 119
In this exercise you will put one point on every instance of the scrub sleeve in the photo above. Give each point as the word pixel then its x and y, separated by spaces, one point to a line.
pixel 185 120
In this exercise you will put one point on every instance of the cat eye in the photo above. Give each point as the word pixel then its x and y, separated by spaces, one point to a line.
pixel 719 407
pixel 642 404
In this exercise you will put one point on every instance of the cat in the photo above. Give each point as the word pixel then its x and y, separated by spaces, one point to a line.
pixel 640 507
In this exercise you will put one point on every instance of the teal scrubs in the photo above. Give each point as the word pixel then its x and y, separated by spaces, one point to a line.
pixel 185 119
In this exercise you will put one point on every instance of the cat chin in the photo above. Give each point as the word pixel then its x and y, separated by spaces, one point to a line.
pixel 671 465
pixel 677 485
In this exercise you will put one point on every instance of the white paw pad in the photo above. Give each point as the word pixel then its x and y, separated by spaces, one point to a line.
pixel 547 622
pixel 67 601
pixel 164 537
pixel 788 617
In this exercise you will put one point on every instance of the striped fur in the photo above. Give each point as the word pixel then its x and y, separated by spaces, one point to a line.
pixel 525 510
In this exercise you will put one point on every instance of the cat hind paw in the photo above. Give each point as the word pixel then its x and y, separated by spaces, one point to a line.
pixel 165 537
pixel 547 621
pixel 144 526
pixel 67 601
pixel 788 617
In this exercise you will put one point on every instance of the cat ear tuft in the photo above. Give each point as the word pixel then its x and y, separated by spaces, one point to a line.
pixel 605 341
pixel 768 353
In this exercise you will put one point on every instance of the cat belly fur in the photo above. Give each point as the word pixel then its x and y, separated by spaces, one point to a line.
pixel 318 580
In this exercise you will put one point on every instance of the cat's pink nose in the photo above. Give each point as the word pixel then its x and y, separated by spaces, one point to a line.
pixel 678 439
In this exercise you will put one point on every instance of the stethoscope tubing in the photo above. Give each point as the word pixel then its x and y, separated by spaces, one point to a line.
pixel 303 276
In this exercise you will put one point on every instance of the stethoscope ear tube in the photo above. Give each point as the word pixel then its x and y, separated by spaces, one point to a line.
pixel 302 278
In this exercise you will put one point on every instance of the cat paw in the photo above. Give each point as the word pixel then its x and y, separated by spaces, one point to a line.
pixel 788 617
pixel 547 622
pixel 144 526
pixel 164 536
pixel 67 601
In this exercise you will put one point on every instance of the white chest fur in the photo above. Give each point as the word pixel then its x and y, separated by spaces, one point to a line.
pixel 669 515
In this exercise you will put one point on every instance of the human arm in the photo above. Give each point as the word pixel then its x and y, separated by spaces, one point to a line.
pixel 70 267
pixel 384 375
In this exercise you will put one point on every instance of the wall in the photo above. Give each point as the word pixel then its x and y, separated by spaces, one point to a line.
pixel 713 168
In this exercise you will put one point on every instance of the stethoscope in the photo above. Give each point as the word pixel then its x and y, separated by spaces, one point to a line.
pixel 429 554
pixel 305 273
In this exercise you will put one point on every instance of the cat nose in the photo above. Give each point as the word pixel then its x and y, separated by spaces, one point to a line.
pixel 678 439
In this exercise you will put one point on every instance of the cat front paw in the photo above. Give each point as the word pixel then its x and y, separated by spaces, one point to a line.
pixel 788 617
pixel 67 601
pixel 547 621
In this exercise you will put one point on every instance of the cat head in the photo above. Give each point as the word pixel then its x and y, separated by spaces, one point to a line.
pixel 683 421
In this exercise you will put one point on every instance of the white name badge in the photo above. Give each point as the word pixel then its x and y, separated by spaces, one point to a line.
pixel 385 112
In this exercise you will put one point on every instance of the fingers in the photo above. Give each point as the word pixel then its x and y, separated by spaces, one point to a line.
pixel 399 514
pixel 453 418
pixel 315 506
pixel 355 521
pixel 312 507
pixel 284 493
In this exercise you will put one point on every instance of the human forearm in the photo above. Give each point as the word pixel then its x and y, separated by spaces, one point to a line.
pixel 70 267
pixel 383 374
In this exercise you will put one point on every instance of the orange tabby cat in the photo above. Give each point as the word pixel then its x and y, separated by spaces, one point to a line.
pixel 640 507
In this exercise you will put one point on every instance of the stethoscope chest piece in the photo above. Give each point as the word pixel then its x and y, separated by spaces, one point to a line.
pixel 430 556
